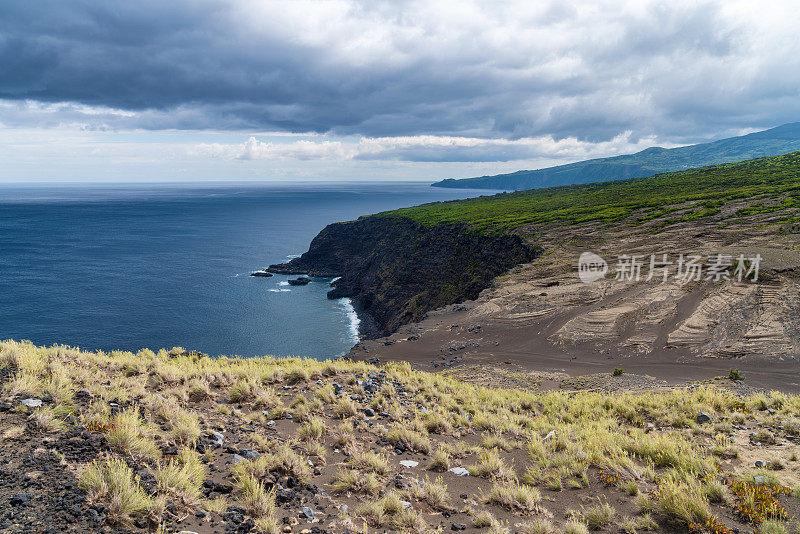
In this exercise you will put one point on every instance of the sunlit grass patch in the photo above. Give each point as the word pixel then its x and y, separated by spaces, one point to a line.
pixel 112 483
pixel 354 481
pixel 433 492
pixel 513 496
pixel 127 435
pixel 390 512
pixel 491 465
pixel 183 477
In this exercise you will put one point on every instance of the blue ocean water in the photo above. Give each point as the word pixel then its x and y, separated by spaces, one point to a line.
pixel 133 266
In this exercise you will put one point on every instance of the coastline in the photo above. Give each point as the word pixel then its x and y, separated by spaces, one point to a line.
pixel 396 270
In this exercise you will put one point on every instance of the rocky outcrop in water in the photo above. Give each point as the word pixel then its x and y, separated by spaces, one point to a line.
pixel 395 270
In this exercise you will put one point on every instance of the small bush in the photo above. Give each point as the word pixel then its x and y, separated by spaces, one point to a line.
pixel 345 408
pixel 515 497
pixel 258 502
pixel 352 481
pixel 311 430
pixel 599 515
pixel 113 483
pixel 127 435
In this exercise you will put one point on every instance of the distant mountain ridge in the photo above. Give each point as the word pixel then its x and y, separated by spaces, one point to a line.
pixel 773 142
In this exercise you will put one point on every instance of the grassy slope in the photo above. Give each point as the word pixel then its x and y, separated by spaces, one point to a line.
pixel 709 187
pixel 648 162
pixel 521 447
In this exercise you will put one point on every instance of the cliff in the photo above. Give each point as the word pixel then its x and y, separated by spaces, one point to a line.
pixel 395 269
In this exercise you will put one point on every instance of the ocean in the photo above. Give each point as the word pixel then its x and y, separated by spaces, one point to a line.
pixel 106 267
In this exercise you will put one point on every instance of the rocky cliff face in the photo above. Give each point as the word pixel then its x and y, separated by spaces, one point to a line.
pixel 396 270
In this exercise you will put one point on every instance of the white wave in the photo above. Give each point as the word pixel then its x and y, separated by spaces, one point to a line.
pixel 335 279
pixel 284 283
pixel 279 290
pixel 293 256
pixel 352 316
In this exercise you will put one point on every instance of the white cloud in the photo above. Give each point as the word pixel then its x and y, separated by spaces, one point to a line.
pixel 424 148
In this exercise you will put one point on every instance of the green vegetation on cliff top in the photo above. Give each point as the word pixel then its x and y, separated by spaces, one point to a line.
pixel 774 180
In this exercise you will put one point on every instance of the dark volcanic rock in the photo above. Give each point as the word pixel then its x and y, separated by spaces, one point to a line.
pixel 396 270
pixel 261 273
pixel 303 280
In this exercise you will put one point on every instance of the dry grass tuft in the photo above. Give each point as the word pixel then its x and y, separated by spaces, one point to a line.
pixel 112 483
pixel 514 496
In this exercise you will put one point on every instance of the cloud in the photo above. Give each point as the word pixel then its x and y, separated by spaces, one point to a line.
pixel 255 149
pixel 674 70
pixel 423 148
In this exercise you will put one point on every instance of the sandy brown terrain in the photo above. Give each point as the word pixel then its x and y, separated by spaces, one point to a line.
pixel 541 317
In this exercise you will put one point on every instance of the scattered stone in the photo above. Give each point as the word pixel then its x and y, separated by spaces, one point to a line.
pixel 308 513
pixel 369 412
pixel 20 499
pixel 216 438
pixel 32 403
pixel 409 463
pixel 249 454
pixel 703 418
pixel 459 471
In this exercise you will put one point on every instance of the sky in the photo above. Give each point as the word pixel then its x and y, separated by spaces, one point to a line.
pixel 191 90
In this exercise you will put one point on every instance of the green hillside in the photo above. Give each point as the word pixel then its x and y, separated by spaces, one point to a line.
pixel 774 183
pixel 654 160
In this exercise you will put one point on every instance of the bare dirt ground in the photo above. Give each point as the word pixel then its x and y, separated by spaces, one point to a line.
pixel 541 317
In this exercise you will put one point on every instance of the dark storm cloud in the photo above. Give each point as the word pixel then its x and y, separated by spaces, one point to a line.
pixel 585 69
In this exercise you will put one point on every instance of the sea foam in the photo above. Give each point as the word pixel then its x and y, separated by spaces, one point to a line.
pixel 352 317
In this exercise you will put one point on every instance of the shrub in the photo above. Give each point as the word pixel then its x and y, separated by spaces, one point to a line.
pixel 353 481
pixel 491 465
pixel 370 462
pixel 599 515
pixel 182 478
pixel 311 430
pixel 126 435
pixel 734 374
pixel 258 502
pixel 345 408
pixel 113 482
pixel 513 496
